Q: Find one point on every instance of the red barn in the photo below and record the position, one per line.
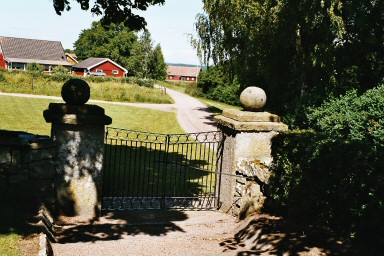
(183, 73)
(99, 67)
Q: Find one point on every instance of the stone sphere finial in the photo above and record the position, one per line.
(75, 92)
(253, 98)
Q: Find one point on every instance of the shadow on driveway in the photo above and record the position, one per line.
(117, 225)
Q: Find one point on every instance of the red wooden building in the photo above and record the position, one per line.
(183, 73)
(17, 53)
(99, 67)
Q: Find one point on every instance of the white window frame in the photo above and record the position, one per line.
(99, 70)
(115, 72)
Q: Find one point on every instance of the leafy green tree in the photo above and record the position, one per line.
(141, 51)
(298, 51)
(60, 70)
(115, 43)
(113, 11)
(35, 68)
(157, 68)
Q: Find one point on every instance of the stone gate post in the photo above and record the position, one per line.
(78, 130)
(246, 153)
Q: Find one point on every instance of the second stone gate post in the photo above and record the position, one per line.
(247, 153)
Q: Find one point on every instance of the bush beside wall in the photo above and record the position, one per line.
(333, 175)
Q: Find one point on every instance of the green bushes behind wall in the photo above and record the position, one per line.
(333, 175)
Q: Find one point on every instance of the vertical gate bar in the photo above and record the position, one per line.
(220, 150)
(179, 165)
(114, 166)
(131, 172)
(134, 152)
(124, 178)
(201, 148)
(145, 149)
(104, 192)
(158, 170)
(166, 152)
(206, 160)
(119, 165)
(211, 165)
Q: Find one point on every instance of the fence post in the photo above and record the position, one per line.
(246, 153)
(78, 130)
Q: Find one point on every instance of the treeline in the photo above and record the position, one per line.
(300, 53)
(137, 53)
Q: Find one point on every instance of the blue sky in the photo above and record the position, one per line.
(168, 24)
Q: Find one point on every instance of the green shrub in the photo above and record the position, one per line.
(214, 86)
(2, 78)
(352, 117)
(331, 183)
(60, 77)
(193, 90)
(146, 82)
(35, 68)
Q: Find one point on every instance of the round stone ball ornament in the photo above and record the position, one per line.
(75, 92)
(253, 98)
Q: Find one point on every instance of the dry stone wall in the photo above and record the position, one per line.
(27, 170)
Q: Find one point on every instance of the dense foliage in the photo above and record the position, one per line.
(113, 11)
(333, 176)
(114, 42)
(352, 117)
(300, 52)
(123, 46)
(34, 67)
(215, 85)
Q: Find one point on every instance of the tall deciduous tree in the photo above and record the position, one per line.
(141, 54)
(113, 11)
(115, 43)
(295, 50)
(156, 64)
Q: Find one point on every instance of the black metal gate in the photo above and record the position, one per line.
(157, 171)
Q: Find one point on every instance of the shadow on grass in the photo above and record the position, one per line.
(15, 215)
(118, 225)
(266, 235)
(150, 170)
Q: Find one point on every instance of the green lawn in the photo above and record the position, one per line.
(26, 114)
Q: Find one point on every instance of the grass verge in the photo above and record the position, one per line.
(107, 89)
(26, 114)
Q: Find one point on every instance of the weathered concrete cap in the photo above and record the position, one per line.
(86, 114)
(247, 116)
(262, 122)
(71, 109)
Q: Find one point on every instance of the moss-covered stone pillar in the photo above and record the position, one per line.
(247, 153)
(78, 130)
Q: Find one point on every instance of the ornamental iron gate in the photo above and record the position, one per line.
(158, 171)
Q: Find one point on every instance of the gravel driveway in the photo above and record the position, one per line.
(148, 233)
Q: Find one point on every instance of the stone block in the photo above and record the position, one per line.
(42, 169)
(30, 155)
(20, 177)
(5, 155)
(16, 156)
(247, 116)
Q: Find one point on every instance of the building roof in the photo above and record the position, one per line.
(94, 62)
(32, 50)
(183, 71)
(72, 56)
